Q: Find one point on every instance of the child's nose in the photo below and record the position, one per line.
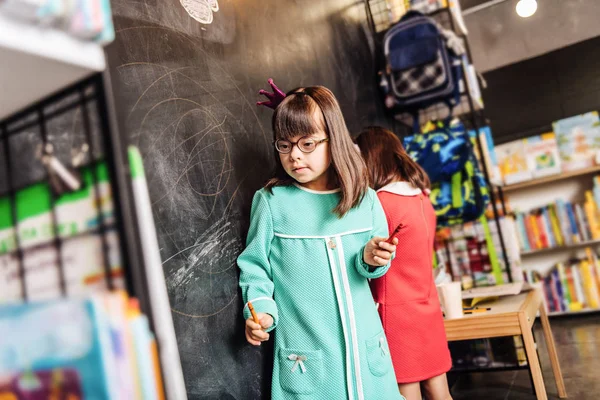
(296, 154)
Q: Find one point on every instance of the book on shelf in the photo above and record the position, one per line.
(88, 348)
(574, 144)
(472, 254)
(578, 140)
(512, 161)
(572, 286)
(542, 155)
(489, 154)
(558, 224)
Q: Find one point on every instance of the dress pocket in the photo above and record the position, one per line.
(300, 371)
(378, 355)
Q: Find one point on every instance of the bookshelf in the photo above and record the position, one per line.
(51, 77)
(534, 194)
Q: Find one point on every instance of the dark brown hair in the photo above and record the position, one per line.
(295, 116)
(387, 161)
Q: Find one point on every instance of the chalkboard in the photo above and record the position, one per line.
(187, 92)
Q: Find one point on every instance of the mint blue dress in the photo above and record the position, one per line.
(304, 266)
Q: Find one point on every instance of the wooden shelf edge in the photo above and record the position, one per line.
(565, 313)
(560, 248)
(551, 178)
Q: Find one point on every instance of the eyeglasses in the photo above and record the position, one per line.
(306, 144)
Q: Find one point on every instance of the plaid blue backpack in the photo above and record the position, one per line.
(423, 65)
(459, 192)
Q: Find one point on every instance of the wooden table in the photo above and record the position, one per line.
(510, 316)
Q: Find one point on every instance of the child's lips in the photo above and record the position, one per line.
(300, 169)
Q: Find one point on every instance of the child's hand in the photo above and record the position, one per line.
(377, 252)
(254, 331)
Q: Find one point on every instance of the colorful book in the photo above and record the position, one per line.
(559, 290)
(539, 218)
(578, 140)
(542, 155)
(589, 285)
(548, 294)
(576, 235)
(554, 290)
(533, 223)
(579, 286)
(489, 154)
(529, 227)
(512, 161)
(555, 223)
(548, 228)
(582, 223)
(591, 213)
(65, 351)
(522, 232)
(564, 285)
(565, 226)
(595, 264)
(575, 304)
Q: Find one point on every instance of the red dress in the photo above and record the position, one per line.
(407, 297)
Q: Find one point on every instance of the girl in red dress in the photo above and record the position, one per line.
(407, 297)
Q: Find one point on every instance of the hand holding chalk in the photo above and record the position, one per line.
(254, 317)
(255, 326)
(378, 252)
(390, 240)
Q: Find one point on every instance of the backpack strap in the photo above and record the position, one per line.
(456, 187)
(416, 124)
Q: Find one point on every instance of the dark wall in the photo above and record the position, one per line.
(499, 37)
(187, 93)
(524, 99)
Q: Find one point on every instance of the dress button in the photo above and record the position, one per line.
(331, 244)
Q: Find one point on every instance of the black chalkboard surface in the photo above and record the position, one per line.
(187, 92)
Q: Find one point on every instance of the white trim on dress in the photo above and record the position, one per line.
(401, 188)
(316, 191)
(338, 291)
(284, 235)
(355, 351)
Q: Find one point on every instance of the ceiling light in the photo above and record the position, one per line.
(526, 8)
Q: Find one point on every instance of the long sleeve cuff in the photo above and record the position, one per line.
(369, 271)
(263, 305)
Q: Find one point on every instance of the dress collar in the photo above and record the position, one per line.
(402, 188)
(316, 191)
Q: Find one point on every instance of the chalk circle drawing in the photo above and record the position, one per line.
(201, 10)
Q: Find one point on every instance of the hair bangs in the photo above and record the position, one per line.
(297, 115)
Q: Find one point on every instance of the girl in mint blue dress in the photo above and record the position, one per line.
(316, 236)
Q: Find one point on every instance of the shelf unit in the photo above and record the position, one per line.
(45, 74)
(552, 178)
(539, 192)
(468, 109)
(567, 313)
(560, 248)
(38, 61)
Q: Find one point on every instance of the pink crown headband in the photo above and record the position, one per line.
(275, 98)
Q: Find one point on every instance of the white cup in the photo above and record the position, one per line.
(451, 299)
